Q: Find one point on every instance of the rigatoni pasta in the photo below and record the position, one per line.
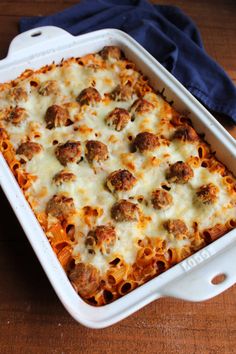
(121, 183)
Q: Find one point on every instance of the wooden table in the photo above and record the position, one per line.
(32, 319)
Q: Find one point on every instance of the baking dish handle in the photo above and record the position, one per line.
(204, 278)
(35, 40)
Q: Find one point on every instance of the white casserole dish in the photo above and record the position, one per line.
(190, 279)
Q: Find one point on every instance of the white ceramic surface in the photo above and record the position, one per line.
(190, 279)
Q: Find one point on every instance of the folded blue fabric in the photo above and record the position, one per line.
(165, 31)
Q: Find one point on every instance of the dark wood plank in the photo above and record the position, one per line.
(32, 320)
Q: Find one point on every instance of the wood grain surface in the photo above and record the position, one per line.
(32, 319)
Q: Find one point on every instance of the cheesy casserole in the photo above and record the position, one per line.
(121, 183)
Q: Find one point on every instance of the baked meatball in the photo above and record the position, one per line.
(60, 206)
(89, 96)
(141, 106)
(118, 118)
(16, 115)
(96, 151)
(179, 172)
(29, 149)
(120, 180)
(146, 142)
(86, 279)
(57, 116)
(124, 210)
(49, 87)
(68, 152)
(19, 94)
(111, 52)
(176, 227)
(102, 237)
(207, 193)
(63, 176)
(161, 199)
(122, 93)
(185, 133)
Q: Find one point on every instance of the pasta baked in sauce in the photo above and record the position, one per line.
(121, 183)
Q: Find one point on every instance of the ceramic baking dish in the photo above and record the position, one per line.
(190, 279)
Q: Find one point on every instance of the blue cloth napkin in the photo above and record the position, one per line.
(165, 31)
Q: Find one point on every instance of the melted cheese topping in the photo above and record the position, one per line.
(89, 123)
